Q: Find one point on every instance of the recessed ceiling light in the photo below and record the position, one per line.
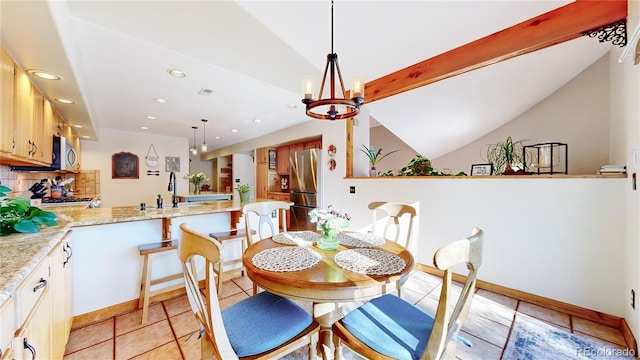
(217, 137)
(65, 101)
(144, 128)
(151, 117)
(160, 100)
(257, 120)
(234, 130)
(86, 137)
(292, 106)
(78, 126)
(176, 73)
(44, 74)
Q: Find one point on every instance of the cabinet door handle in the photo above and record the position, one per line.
(30, 348)
(69, 253)
(42, 284)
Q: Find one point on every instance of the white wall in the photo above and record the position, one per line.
(624, 144)
(122, 192)
(576, 114)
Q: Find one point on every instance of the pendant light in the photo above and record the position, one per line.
(333, 108)
(204, 137)
(194, 149)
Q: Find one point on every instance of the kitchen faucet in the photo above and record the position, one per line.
(173, 187)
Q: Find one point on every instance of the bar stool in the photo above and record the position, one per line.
(229, 236)
(148, 251)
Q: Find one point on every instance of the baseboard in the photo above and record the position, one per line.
(595, 316)
(122, 308)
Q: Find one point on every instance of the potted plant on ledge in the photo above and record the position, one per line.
(244, 191)
(375, 156)
(504, 155)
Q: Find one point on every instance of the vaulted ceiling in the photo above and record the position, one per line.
(113, 57)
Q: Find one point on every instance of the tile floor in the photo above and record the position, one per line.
(166, 335)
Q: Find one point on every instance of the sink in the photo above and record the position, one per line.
(170, 206)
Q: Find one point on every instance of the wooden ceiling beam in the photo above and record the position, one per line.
(554, 27)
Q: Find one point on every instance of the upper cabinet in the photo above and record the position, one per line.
(6, 102)
(28, 120)
(282, 157)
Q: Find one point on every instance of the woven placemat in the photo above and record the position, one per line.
(282, 259)
(301, 238)
(370, 261)
(360, 240)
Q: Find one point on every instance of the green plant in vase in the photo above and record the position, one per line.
(196, 179)
(503, 155)
(17, 215)
(244, 190)
(375, 156)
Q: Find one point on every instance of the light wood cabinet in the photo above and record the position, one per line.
(296, 147)
(262, 180)
(34, 313)
(282, 158)
(38, 316)
(6, 101)
(45, 144)
(23, 115)
(61, 286)
(262, 155)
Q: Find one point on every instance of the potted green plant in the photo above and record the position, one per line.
(421, 166)
(17, 215)
(375, 156)
(503, 155)
(244, 191)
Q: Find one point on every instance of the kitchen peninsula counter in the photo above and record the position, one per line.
(21, 253)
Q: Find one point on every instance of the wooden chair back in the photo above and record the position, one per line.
(392, 229)
(263, 210)
(449, 319)
(194, 246)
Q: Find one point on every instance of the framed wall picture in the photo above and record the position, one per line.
(172, 163)
(125, 165)
(272, 160)
(481, 169)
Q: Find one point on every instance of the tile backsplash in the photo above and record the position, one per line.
(86, 183)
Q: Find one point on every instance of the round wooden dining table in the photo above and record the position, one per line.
(326, 285)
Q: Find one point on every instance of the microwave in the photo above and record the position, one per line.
(64, 157)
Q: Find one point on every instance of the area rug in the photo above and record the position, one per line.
(535, 340)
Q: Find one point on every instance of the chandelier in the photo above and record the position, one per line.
(333, 108)
(194, 149)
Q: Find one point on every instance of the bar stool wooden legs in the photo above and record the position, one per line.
(148, 251)
(238, 235)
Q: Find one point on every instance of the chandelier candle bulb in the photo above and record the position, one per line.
(308, 88)
(358, 88)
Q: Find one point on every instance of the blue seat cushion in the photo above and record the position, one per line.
(263, 322)
(391, 326)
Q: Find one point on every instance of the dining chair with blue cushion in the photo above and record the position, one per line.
(263, 326)
(389, 327)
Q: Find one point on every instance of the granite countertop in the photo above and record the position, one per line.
(205, 194)
(21, 253)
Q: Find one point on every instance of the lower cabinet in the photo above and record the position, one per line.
(281, 197)
(41, 309)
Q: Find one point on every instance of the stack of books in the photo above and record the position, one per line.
(613, 169)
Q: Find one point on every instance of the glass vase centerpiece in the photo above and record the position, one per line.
(196, 179)
(331, 221)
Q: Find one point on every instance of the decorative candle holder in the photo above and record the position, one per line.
(546, 158)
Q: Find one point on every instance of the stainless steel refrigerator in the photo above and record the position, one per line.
(304, 179)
